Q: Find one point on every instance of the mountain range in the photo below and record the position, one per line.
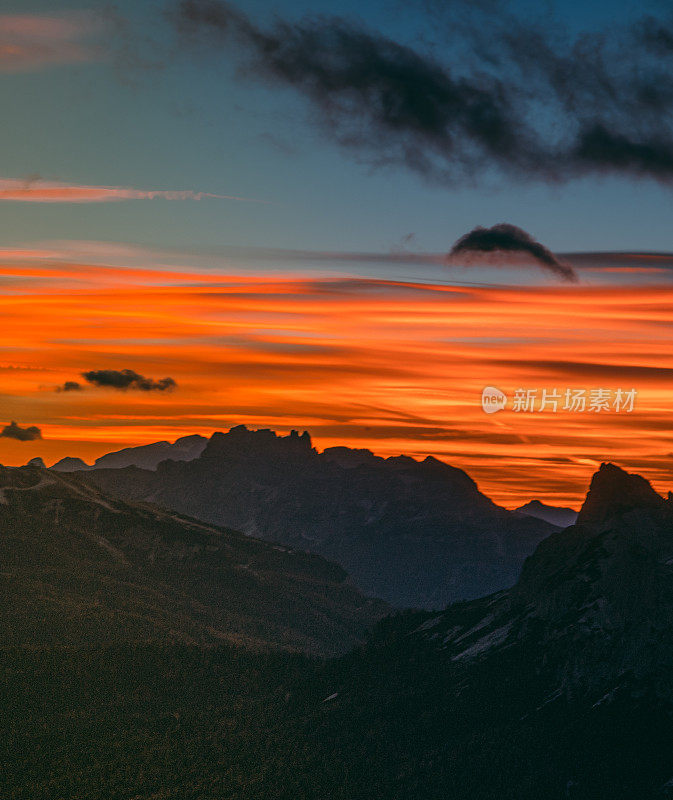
(414, 533)
(81, 568)
(147, 456)
(558, 687)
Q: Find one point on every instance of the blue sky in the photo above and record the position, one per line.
(196, 124)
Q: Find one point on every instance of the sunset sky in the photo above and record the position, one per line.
(268, 237)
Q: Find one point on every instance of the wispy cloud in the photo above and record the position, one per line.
(405, 362)
(31, 42)
(123, 262)
(37, 190)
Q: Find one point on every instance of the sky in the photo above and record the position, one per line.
(256, 200)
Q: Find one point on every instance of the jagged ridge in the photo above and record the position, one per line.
(417, 534)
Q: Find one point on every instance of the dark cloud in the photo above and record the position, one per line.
(656, 35)
(608, 151)
(127, 379)
(70, 386)
(14, 431)
(506, 96)
(372, 91)
(505, 243)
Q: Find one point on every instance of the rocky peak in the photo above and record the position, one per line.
(614, 491)
(241, 442)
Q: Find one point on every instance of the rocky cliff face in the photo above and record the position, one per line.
(613, 492)
(560, 687)
(594, 603)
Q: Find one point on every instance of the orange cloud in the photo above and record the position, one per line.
(397, 366)
(36, 190)
(30, 42)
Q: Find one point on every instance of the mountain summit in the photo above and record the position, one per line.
(614, 491)
(241, 442)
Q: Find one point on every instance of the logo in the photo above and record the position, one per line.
(596, 401)
(493, 400)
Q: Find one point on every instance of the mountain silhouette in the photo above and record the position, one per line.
(559, 687)
(597, 597)
(146, 456)
(125, 684)
(555, 515)
(415, 533)
(69, 464)
(83, 569)
(613, 492)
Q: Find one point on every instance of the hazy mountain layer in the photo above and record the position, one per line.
(145, 456)
(560, 516)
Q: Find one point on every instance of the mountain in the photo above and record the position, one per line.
(596, 598)
(417, 534)
(82, 569)
(36, 462)
(69, 464)
(150, 455)
(614, 492)
(146, 456)
(560, 516)
(559, 687)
